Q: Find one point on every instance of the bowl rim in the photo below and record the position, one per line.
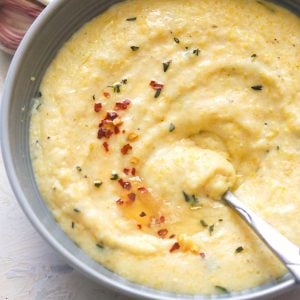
(138, 290)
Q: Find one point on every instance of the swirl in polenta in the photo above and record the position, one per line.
(153, 110)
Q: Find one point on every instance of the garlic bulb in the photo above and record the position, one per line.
(16, 16)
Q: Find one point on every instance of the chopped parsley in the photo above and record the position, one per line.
(176, 40)
(100, 246)
(114, 176)
(191, 199)
(203, 223)
(97, 183)
(166, 65)
(239, 249)
(221, 289)
(257, 87)
(76, 210)
(134, 48)
(116, 87)
(157, 93)
(78, 169)
(196, 52)
(211, 229)
(131, 19)
(171, 127)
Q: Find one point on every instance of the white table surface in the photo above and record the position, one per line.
(29, 267)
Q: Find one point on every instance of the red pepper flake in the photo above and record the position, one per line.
(103, 132)
(97, 107)
(116, 130)
(106, 146)
(161, 220)
(122, 105)
(126, 171)
(103, 122)
(202, 254)
(132, 197)
(125, 184)
(120, 202)
(143, 190)
(125, 149)
(142, 214)
(175, 247)
(111, 115)
(172, 236)
(139, 226)
(155, 85)
(133, 171)
(106, 94)
(162, 233)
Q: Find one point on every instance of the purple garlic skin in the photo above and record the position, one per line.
(16, 16)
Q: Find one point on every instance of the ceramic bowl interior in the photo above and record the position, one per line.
(55, 26)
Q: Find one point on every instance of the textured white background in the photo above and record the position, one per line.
(29, 267)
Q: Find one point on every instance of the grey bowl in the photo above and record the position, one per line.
(54, 26)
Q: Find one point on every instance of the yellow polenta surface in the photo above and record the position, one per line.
(222, 112)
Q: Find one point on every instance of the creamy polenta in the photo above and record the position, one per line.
(148, 114)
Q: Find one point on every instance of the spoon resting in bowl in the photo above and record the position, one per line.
(285, 250)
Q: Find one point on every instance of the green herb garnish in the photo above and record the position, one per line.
(203, 223)
(196, 52)
(166, 65)
(257, 87)
(124, 81)
(78, 169)
(211, 229)
(73, 225)
(76, 210)
(176, 40)
(171, 127)
(97, 183)
(100, 246)
(221, 289)
(134, 48)
(239, 249)
(157, 93)
(131, 19)
(114, 176)
(116, 87)
(191, 199)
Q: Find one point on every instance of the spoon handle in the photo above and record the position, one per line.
(286, 251)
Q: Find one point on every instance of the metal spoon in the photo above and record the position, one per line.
(285, 250)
